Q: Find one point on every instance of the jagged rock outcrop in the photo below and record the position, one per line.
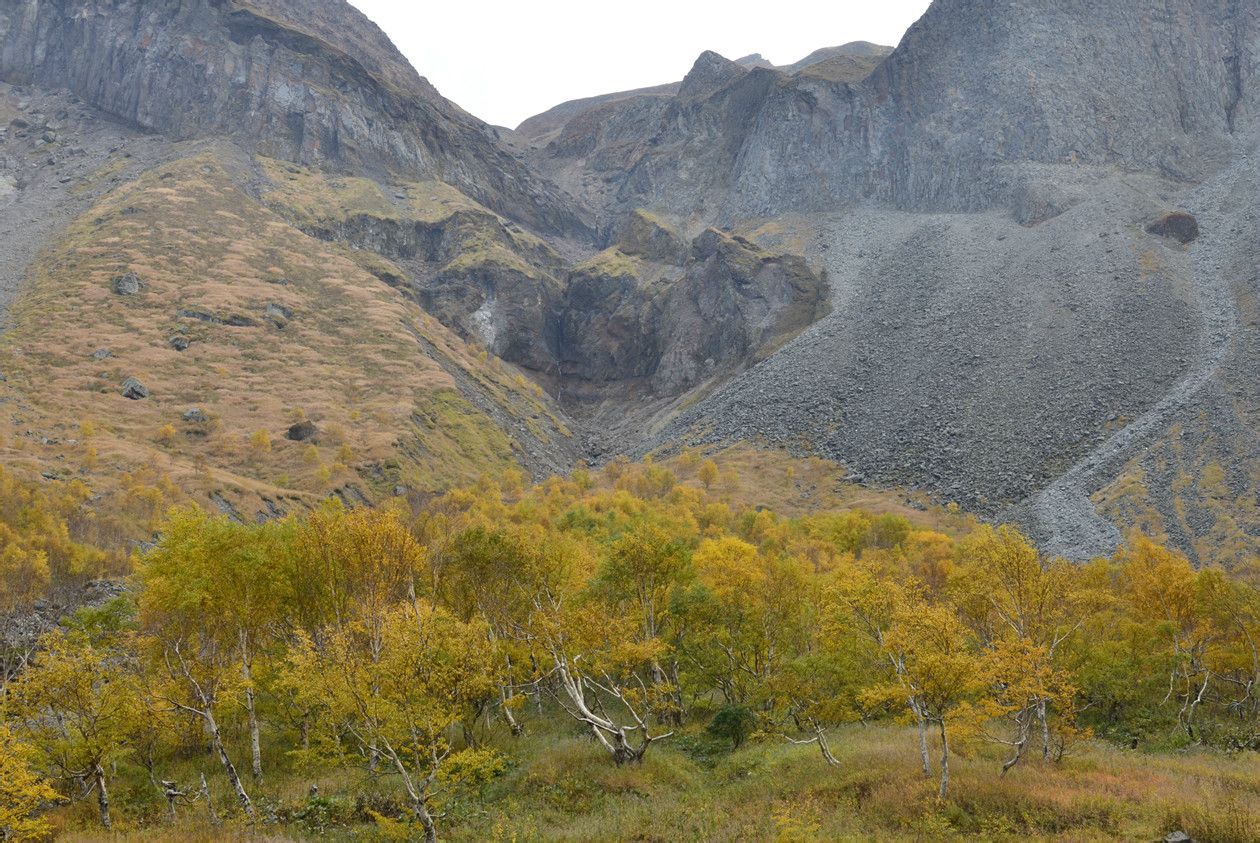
(312, 81)
(847, 62)
(609, 328)
(501, 301)
(645, 310)
(710, 73)
(646, 236)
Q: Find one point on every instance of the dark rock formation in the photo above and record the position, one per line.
(474, 271)
(302, 431)
(609, 325)
(648, 237)
(1179, 226)
(643, 311)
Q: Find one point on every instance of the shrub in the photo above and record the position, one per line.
(1226, 821)
(166, 434)
(733, 722)
(708, 473)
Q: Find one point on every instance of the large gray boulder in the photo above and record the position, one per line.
(302, 431)
(134, 390)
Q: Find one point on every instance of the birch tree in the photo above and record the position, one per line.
(23, 793)
(395, 685)
(940, 669)
(192, 628)
(643, 570)
(1024, 608)
(78, 705)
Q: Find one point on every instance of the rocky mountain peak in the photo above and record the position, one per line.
(754, 60)
(710, 73)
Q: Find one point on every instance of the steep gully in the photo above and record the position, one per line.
(1062, 516)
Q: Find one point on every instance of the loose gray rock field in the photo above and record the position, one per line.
(1062, 515)
(1010, 368)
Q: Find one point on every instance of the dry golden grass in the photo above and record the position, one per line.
(356, 356)
(1198, 484)
(771, 791)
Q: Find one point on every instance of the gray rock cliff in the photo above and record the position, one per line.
(312, 81)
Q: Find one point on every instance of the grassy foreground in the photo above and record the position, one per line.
(557, 785)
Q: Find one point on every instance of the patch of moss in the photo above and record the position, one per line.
(315, 198)
(479, 252)
(318, 199)
(452, 443)
(611, 262)
(434, 201)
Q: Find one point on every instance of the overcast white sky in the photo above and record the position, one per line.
(505, 61)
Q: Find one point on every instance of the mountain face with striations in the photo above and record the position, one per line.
(307, 80)
(1012, 262)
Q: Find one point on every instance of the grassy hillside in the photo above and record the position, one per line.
(278, 327)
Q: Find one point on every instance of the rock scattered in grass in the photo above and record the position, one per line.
(134, 390)
(302, 431)
(127, 285)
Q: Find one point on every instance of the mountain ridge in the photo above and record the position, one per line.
(540, 126)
